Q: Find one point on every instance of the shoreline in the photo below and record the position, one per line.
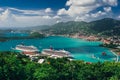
(114, 53)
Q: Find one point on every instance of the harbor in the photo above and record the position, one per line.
(79, 49)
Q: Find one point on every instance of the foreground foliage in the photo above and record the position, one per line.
(14, 66)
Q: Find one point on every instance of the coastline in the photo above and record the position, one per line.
(89, 41)
(113, 52)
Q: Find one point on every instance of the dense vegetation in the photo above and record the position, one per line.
(14, 66)
(36, 35)
(105, 26)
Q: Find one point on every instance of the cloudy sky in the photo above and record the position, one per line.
(25, 13)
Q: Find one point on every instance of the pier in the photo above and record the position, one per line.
(117, 57)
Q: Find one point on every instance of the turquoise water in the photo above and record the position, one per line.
(15, 34)
(80, 49)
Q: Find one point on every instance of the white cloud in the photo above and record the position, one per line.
(58, 21)
(34, 20)
(119, 17)
(80, 2)
(98, 14)
(1, 9)
(46, 17)
(78, 10)
(92, 16)
(48, 10)
(107, 9)
(8, 19)
(5, 15)
(57, 17)
(111, 2)
(31, 12)
(82, 9)
(62, 12)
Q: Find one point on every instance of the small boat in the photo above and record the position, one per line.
(104, 54)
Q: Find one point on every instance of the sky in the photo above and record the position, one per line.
(27, 13)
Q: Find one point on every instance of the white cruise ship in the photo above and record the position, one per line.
(56, 53)
(27, 49)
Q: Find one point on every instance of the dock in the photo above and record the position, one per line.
(117, 56)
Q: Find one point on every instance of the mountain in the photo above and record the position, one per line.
(106, 26)
(42, 27)
(36, 28)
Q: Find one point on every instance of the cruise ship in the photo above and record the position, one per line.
(30, 50)
(56, 53)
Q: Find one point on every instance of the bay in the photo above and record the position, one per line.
(80, 49)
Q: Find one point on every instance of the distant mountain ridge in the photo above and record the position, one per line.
(106, 26)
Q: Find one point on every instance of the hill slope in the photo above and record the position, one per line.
(105, 26)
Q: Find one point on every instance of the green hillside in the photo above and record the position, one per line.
(105, 26)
